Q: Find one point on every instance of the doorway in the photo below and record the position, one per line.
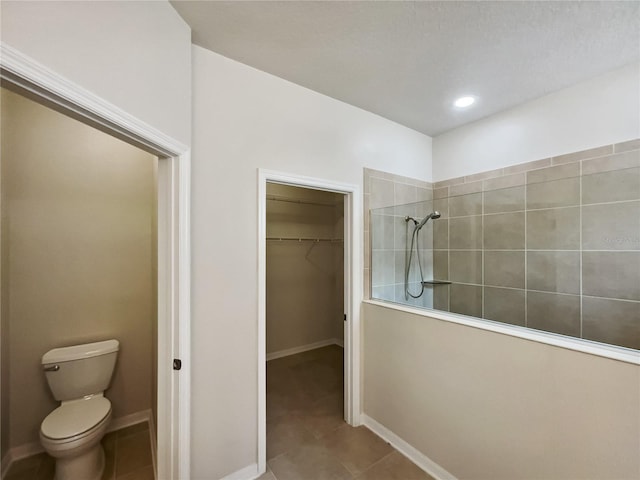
(23, 75)
(79, 265)
(304, 315)
(308, 241)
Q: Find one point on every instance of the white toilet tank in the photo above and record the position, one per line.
(79, 370)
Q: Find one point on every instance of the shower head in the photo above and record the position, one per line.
(433, 215)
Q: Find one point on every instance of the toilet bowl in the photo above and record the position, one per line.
(71, 433)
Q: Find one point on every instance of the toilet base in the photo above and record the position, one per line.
(88, 465)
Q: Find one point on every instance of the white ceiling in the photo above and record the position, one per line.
(407, 61)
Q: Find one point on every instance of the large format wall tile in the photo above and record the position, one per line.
(401, 233)
(619, 161)
(442, 206)
(611, 321)
(382, 232)
(611, 274)
(382, 192)
(504, 305)
(464, 205)
(441, 264)
(611, 227)
(465, 232)
(554, 313)
(465, 266)
(403, 194)
(559, 193)
(554, 271)
(441, 297)
(441, 234)
(466, 299)
(383, 267)
(504, 231)
(554, 229)
(553, 173)
(504, 200)
(611, 186)
(504, 268)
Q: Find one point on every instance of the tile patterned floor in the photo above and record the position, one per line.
(127, 457)
(307, 438)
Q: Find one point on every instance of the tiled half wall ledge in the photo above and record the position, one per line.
(593, 175)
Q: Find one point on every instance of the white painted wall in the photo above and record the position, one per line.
(600, 111)
(245, 119)
(134, 54)
(488, 406)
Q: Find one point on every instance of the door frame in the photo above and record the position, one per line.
(352, 297)
(47, 87)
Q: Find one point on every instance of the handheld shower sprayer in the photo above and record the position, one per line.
(417, 225)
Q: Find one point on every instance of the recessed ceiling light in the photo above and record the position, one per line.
(464, 102)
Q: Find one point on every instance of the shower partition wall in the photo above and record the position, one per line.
(556, 249)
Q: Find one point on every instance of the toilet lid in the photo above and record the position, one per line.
(76, 417)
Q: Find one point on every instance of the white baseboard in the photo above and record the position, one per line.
(249, 472)
(34, 448)
(25, 450)
(417, 457)
(129, 420)
(303, 348)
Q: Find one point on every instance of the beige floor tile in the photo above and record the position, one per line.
(268, 475)
(130, 430)
(29, 464)
(135, 460)
(132, 452)
(357, 448)
(309, 462)
(24, 475)
(324, 415)
(319, 377)
(144, 473)
(47, 469)
(109, 445)
(394, 466)
(285, 433)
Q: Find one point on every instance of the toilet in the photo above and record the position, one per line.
(78, 376)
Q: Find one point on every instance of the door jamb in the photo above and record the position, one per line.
(48, 87)
(353, 290)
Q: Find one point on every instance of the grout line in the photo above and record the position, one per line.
(482, 255)
(581, 250)
(381, 460)
(526, 261)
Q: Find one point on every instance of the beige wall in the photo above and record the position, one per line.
(304, 303)
(4, 325)
(78, 242)
(484, 405)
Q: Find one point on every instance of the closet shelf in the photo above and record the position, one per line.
(304, 202)
(300, 239)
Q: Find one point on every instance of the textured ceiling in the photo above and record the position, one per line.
(407, 61)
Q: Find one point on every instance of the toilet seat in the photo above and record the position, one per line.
(76, 418)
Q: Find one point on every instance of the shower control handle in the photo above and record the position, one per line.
(52, 368)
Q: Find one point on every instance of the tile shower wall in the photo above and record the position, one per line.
(386, 243)
(552, 245)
